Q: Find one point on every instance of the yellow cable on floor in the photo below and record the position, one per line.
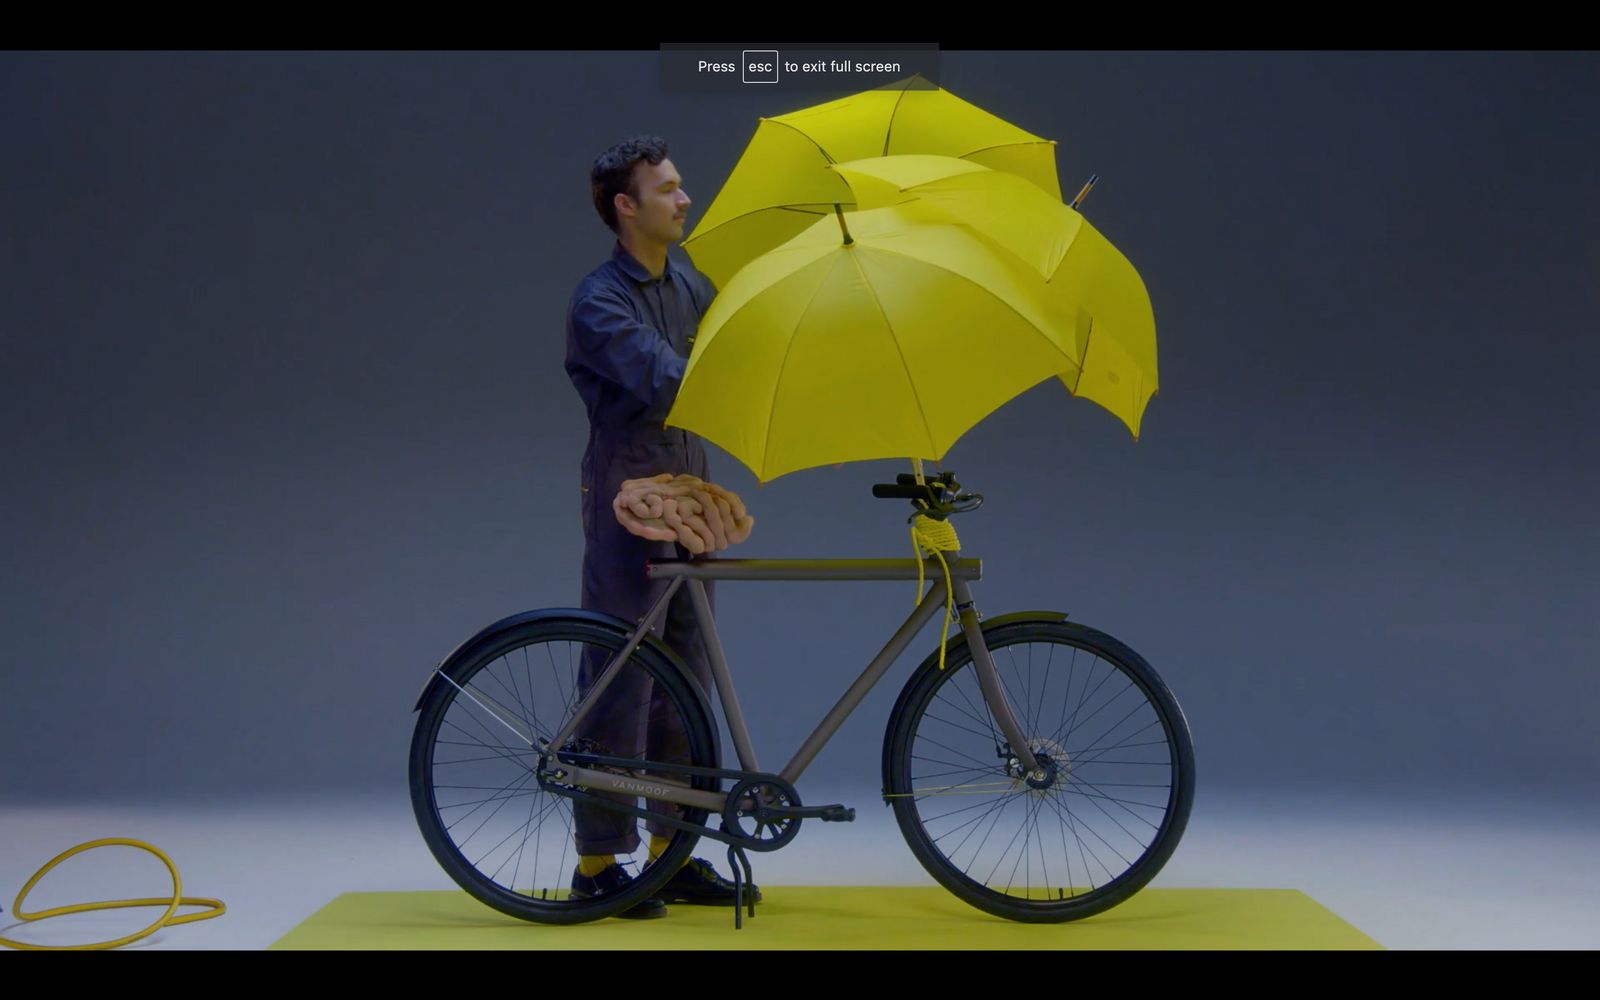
(165, 920)
(938, 537)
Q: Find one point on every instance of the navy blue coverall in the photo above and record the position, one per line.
(628, 342)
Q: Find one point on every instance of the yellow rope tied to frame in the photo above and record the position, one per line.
(937, 537)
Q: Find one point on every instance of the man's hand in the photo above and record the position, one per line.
(713, 518)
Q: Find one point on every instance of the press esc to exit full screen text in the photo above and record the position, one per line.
(818, 66)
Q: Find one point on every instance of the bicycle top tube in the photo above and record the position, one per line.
(811, 569)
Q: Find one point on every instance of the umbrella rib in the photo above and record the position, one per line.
(999, 145)
(819, 213)
(888, 132)
(1076, 363)
(1086, 339)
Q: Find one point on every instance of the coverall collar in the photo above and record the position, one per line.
(635, 270)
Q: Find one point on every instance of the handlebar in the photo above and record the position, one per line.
(937, 497)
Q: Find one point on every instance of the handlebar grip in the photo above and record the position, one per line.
(912, 491)
(907, 479)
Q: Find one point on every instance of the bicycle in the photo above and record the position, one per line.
(963, 729)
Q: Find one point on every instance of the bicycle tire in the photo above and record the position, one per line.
(513, 765)
(932, 823)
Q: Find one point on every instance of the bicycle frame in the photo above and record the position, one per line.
(692, 573)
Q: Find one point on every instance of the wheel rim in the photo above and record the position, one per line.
(1092, 826)
(494, 828)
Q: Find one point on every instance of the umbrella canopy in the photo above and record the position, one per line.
(879, 334)
(1087, 280)
(782, 185)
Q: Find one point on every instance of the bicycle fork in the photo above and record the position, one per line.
(989, 679)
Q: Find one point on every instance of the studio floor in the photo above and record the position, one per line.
(1396, 873)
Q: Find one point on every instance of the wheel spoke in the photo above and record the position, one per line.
(983, 720)
(1097, 749)
(1109, 846)
(989, 877)
(965, 729)
(958, 753)
(492, 815)
(509, 752)
(980, 714)
(962, 809)
(1138, 705)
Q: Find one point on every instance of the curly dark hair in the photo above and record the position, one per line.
(613, 173)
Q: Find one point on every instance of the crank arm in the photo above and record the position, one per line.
(828, 814)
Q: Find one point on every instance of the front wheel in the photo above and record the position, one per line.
(1093, 825)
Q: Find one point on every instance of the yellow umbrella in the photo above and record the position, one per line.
(782, 184)
(1004, 207)
(879, 334)
(1094, 292)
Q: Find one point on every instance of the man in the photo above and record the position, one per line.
(629, 328)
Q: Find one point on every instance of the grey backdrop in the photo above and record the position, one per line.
(285, 416)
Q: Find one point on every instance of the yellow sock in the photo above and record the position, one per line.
(590, 865)
(658, 844)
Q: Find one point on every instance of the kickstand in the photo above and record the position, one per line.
(737, 861)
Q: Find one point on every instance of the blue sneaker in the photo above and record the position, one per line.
(613, 879)
(698, 884)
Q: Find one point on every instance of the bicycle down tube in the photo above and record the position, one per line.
(962, 573)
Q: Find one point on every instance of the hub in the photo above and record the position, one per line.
(1054, 766)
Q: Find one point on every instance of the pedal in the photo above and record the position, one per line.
(838, 814)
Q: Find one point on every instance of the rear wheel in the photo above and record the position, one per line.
(1096, 822)
(480, 736)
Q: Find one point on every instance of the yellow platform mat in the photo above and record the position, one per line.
(806, 917)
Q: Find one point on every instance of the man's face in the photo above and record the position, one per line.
(662, 207)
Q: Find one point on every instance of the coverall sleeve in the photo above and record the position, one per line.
(614, 345)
